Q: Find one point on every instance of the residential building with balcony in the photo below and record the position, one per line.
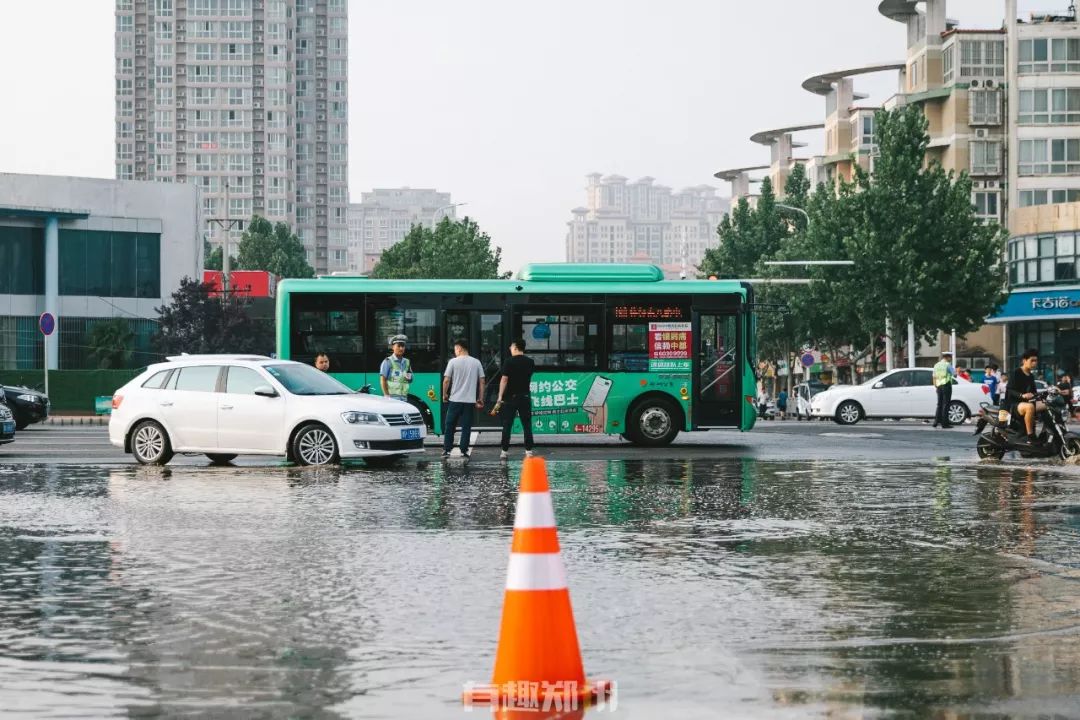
(246, 99)
(384, 216)
(644, 222)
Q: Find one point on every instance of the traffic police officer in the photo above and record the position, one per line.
(395, 373)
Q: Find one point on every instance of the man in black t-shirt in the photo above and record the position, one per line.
(1020, 392)
(514, 397)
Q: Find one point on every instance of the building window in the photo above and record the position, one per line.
(985, 157)
(986, 205)
(982, 58)
(125, 23)
(22, 261)
(984, 107)
(1034, 157)
(948, 58)
(110, 264)
(1034, 55)
(1043, 259)
(163, 8)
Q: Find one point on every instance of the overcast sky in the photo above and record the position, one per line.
(507, 105)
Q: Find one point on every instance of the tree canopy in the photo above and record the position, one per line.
(198, 322)
(272, 247)
(111, 342)
(453, 249)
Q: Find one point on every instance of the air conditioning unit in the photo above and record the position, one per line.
(974, 83)
(980, 133)
(989, 83)
(258, 105)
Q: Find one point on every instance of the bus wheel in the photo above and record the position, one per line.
(653, 423)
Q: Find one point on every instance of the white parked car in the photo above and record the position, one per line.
(229, 405)
(904, 393)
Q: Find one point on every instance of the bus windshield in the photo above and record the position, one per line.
(304, 380)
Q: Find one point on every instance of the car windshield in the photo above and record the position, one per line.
(304, 380)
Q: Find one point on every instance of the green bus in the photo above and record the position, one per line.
(618, 349)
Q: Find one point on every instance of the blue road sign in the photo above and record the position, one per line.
(807, 359)
(47, 323)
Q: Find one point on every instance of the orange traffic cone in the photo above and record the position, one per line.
(538, 663)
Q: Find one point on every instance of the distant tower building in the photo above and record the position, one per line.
(384, 216)
(644, 222)
(248, 94)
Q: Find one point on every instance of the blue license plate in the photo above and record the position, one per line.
(410, 434)
(9, 427)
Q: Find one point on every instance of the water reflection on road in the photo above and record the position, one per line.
(737, 588)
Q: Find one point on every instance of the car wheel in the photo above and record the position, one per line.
(150, 444)
(314, 444)
(653, 423)
(383, 461)
(849, 413)
(956, 413)
(987, 449)
(221, 458)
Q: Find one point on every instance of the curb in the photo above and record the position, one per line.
(90, 420)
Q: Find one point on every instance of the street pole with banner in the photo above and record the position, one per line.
(47, 325)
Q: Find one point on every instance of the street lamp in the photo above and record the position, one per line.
(435, 214)
(794, 209)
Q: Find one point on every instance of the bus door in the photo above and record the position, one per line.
(484, 331)
(717, 390)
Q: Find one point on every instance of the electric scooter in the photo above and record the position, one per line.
(1007, 433)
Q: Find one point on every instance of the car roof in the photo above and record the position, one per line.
(244, 360)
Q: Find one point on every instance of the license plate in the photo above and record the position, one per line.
(410, 434)
(9, 427)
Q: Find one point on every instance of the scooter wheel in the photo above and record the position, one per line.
(987, 449)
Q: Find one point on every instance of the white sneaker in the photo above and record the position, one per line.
(503, 455)
(528, 453)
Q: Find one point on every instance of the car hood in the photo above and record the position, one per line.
(22, 390)
(359, 401)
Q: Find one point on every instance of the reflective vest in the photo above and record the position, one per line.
(396, 383)
(942, 376)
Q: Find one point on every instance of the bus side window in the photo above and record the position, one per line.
(560, 338)
(320, 327)
(417, 324)
(628, 347)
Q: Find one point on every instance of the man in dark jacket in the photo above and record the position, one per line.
(1020, 392)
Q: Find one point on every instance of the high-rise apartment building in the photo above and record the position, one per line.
(384, 217)
(246, 99)
(644, 222)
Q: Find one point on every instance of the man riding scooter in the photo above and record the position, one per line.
(1020, 393)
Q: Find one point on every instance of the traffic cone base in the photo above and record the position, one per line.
(538, 661)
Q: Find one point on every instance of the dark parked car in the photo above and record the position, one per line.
(29, 406)
(7, 424)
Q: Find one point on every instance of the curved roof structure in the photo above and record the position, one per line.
(768, 137)
(823, 84)
(898, 10)
(734, 173)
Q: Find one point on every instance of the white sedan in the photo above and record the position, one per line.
(904, 393)
(228, 405)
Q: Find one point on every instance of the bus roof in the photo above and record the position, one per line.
(534, 278)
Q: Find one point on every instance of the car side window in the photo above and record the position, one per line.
(243, 381)
(898, 379)
(157, 380)
(198, 378)
(923, 378)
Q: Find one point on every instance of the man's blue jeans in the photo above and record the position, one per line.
(456, 411)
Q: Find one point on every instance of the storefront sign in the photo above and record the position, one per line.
(669, 346)
(1039, 305)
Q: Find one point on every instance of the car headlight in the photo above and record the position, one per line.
(27, 398)
(354, 417)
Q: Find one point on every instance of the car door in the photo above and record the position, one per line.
(922, 398)
(247, 422)
(189, 407)
(889, 397)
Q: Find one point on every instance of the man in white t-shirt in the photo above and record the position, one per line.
(463, 391)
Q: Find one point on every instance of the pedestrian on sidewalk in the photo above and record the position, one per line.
(515, 399)
(944, 374)
(463, 391)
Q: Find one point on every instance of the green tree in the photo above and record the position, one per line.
(196, 321)
(746, 236)
(110, 343)
(453, 249)
(922, 252)
(272, 247)
(213, 257)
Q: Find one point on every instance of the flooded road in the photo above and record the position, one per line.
(706, 588)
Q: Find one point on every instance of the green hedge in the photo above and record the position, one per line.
(70, 390)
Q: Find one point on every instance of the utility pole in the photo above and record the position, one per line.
(227, 224)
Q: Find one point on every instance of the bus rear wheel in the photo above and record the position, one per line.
(653, 423)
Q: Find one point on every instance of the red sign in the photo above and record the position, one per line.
(669, 346)
(245, 283)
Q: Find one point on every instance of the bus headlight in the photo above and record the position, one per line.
(355, 417)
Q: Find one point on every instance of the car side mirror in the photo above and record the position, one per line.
(265, 391)
(878, 385)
